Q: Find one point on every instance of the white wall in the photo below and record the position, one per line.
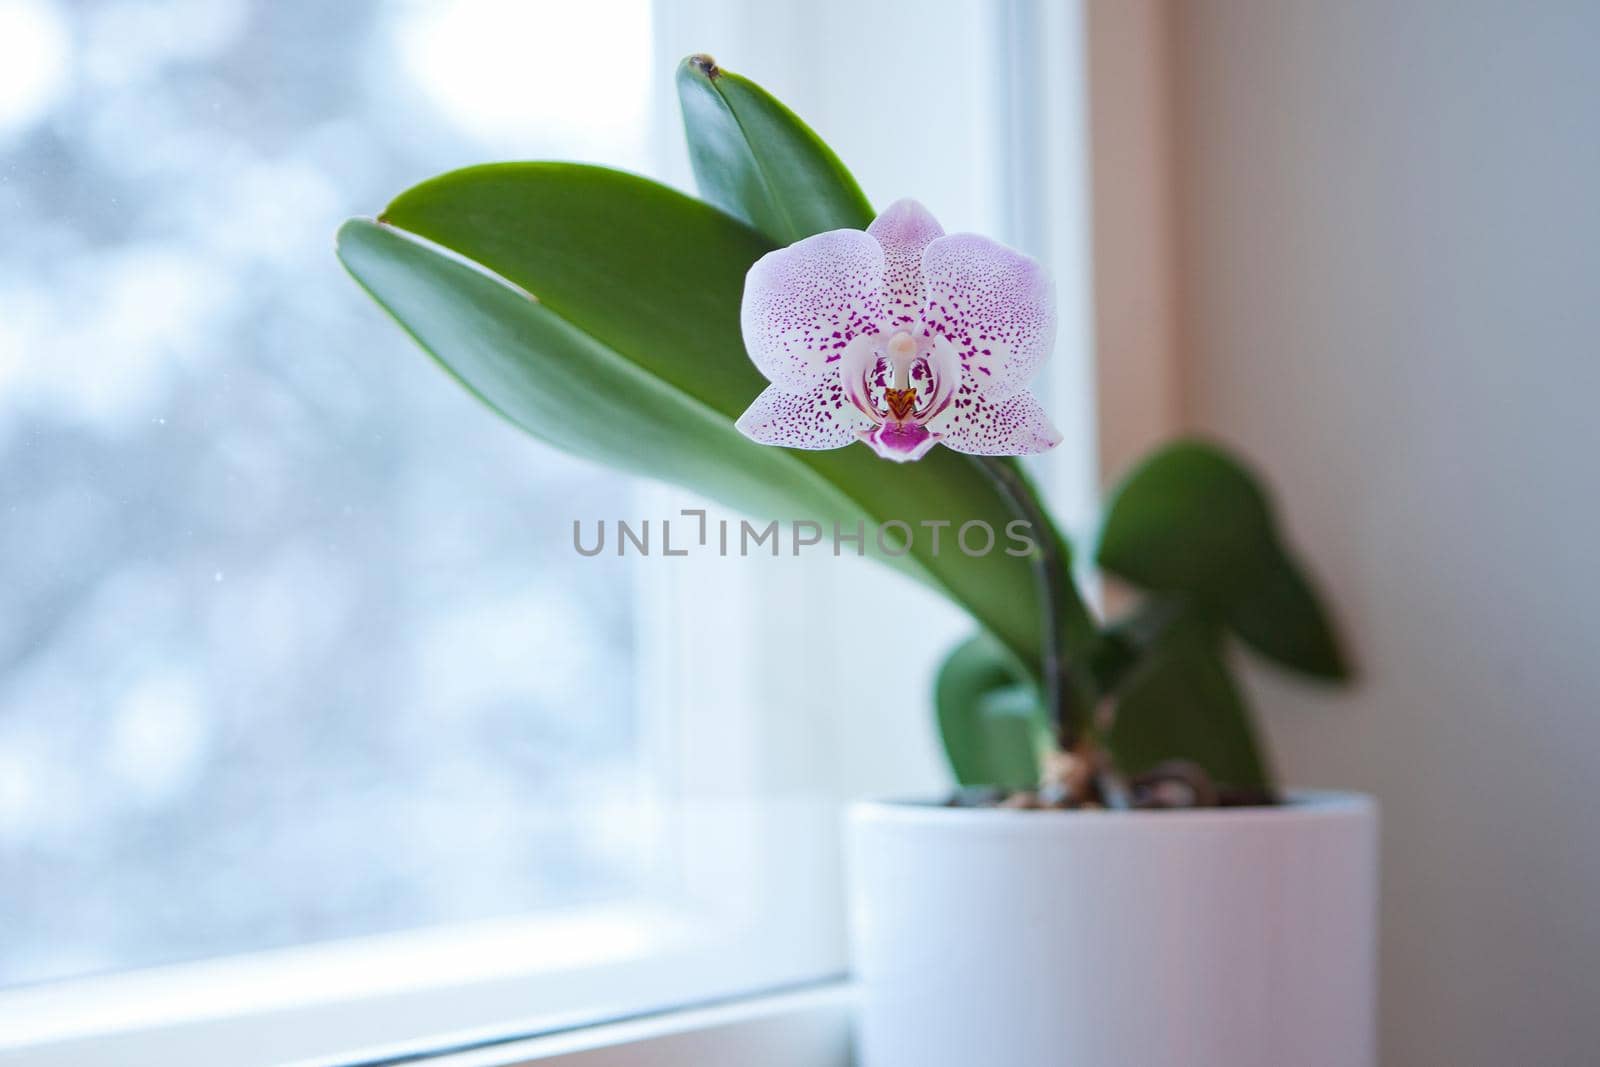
(1389, 289)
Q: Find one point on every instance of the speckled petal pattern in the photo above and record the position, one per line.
(817, 419)
(1015, 426)
(904, 229)
(995, 305)
(803, 304)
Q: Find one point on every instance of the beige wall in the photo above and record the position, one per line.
(1133, 218)
(1388, 289)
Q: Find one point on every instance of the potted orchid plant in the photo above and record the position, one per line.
(1117, 879)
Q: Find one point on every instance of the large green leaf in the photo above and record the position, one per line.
(756, 160)
(617, 338)
(990, 719)
(522, 359)
(1193, 520)
(1181, 702)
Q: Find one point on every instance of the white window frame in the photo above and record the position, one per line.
(1037, 195)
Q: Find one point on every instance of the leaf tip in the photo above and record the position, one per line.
(705, 65)
(342, 235)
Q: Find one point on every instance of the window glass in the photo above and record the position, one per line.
(293, 646)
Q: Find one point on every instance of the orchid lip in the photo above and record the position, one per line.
(900, 442)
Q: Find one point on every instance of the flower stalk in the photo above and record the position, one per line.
(1050, 578)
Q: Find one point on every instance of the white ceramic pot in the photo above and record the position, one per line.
(1240, 937)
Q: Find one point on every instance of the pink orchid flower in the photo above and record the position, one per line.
(901, 337)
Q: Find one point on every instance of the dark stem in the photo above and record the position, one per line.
(1049, 573)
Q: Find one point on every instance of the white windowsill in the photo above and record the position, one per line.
(360, 968)
(428, 992)
(404, 995)
(803, 1028)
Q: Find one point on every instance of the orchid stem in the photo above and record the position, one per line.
(1049, 574)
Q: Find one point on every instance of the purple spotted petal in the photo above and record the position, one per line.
(995, 305)
(905, 230)
(816, 419)
(803, 304)
(1015, 426)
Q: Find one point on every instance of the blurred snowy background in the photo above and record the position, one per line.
(293, 645)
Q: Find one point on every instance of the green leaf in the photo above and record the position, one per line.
(990, 719)
(757, 161)
(609, 327)
(1194, 520)
(1283, 619)
(1182, 703)
(519, 357)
